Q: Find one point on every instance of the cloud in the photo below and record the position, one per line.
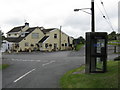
(78, 22)
(15, 21)
(55, 13)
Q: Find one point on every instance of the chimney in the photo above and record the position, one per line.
(26, 24)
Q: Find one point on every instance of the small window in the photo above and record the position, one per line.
(9, 34)
(55, 45)
(50, 45)
(15, 34)
(35, 35)
(62, 44)
(22, 34)
(26, 44)
(55, 35)
(46, 45)
(65, 44)
(16, 45)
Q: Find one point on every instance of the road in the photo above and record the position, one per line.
(41, 69)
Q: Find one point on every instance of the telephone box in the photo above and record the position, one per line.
(96, 52)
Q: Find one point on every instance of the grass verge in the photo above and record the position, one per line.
(3, 66)
(99, 80)
(78, 47)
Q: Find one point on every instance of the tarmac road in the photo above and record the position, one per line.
(42, 69)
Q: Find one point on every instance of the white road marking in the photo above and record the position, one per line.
(24, 75)
(25, 60)
(31, 70)
(47, 63)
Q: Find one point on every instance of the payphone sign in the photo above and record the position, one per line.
(100, 45)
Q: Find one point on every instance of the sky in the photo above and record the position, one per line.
(56, 13)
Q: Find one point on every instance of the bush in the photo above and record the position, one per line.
(117, 58)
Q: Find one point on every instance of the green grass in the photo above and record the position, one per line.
(110, 42)
(98, 80)
(3, 66)
(78, 47)
(113, 43)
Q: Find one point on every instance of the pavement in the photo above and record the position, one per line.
(41, 69)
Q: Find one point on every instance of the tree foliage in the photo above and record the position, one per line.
(112, 36)
(2, 37)
(79, 40)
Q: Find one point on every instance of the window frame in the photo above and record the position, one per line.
(35, 35)
(26, 44)
(46, 45)
(55, 36)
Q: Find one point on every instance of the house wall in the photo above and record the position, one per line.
(71, 40)
(52, 40)
(64, 40)
(31, 40)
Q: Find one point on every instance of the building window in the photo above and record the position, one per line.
(26, 44)
(32, 45)
(16, 45)
(55, 35)
(46, 45)
(35, 35)
(9, 34)
(65, 44)
(15, 34)
(50, 45)
(62, 44)
(55, 45)
(22, 34)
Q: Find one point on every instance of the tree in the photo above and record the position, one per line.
(79, 40)
(112, 36)
(2, 37)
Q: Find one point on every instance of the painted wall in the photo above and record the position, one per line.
(31, 40)
(51, 40)
(61, 44)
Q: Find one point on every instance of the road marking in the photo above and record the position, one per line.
(25, 60)
(24, 75)
(47, 63)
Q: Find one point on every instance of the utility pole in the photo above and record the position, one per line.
(60, 37)
(92, 16)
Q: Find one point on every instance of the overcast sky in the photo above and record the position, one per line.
(56, 13)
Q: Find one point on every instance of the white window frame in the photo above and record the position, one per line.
(35, 35)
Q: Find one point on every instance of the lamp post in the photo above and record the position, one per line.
(92, 15)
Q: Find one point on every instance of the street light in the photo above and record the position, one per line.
(82, 9)
(92, 15)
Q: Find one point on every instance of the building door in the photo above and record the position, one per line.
(55, 46)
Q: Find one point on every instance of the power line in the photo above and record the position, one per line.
(107, 15)
(104, 16)
(101, 11)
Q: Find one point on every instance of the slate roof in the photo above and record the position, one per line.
(16, 29)
(43, 39)
(47, 30)
(21, 38)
